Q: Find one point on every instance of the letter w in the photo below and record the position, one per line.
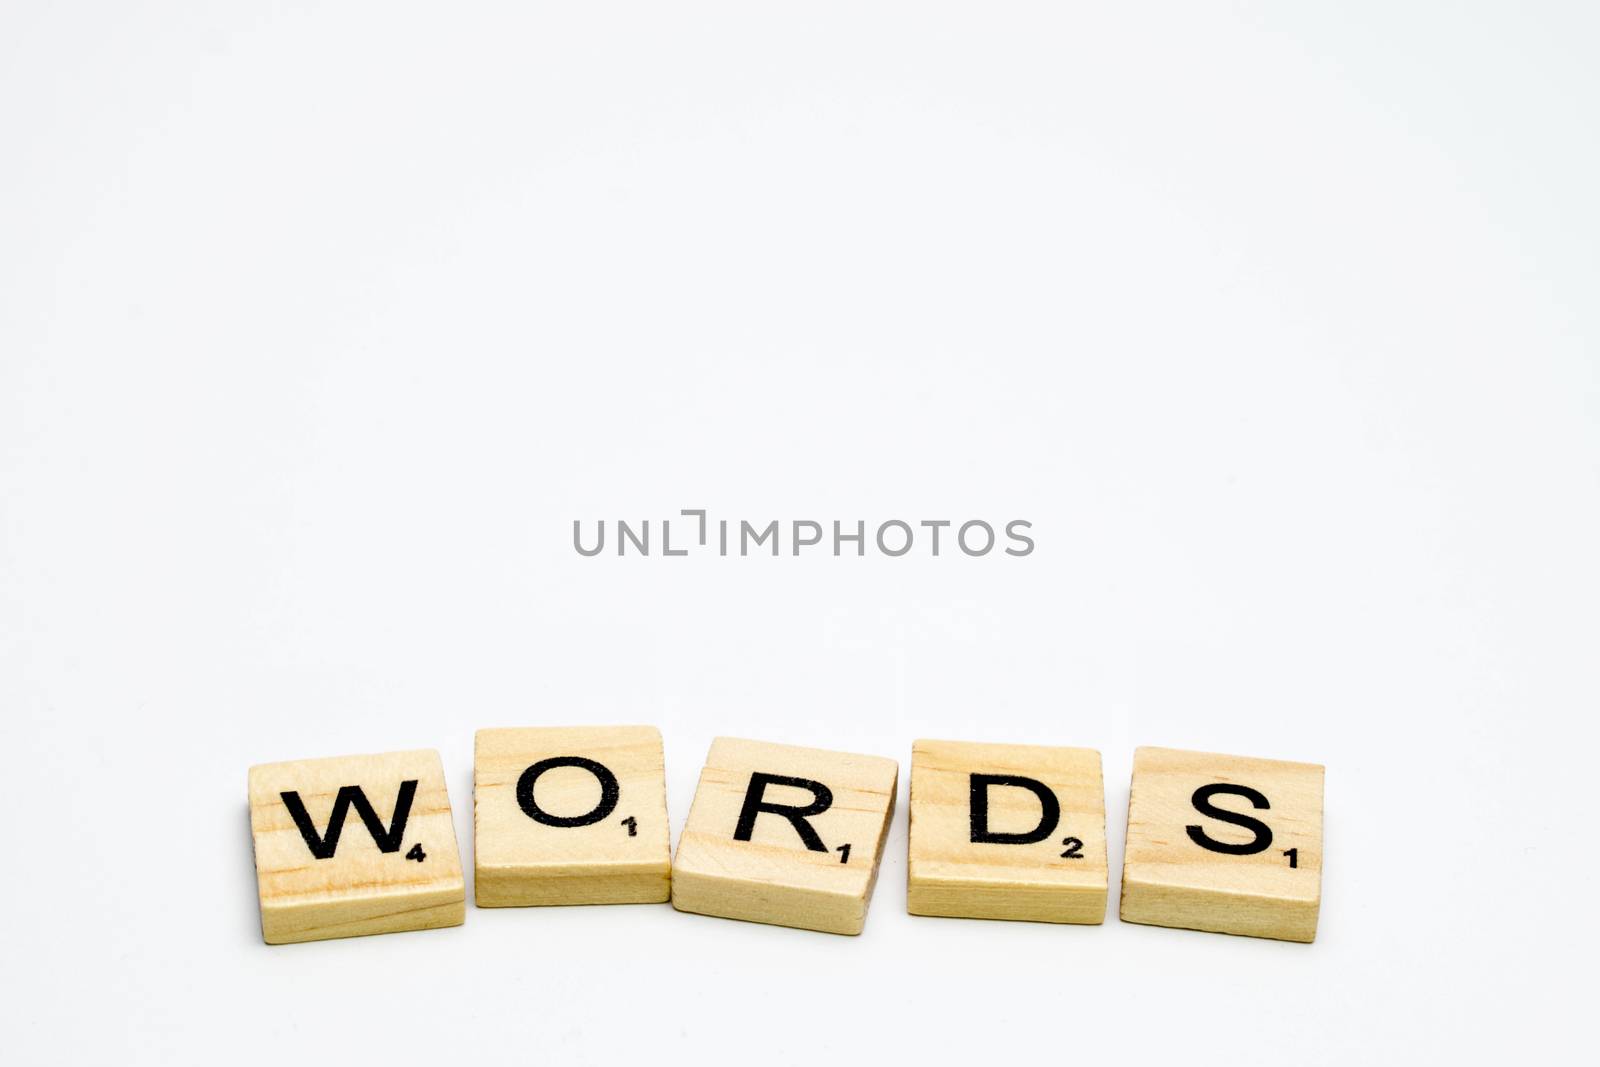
(387, 839)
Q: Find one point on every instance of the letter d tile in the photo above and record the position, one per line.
(1007, 832)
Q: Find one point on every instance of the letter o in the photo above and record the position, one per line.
(961, 536)
(903, 548)
(610, 791)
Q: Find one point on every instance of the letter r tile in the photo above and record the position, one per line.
(785, 835)
(1224, 843)
(1007, 832)
(354, 845)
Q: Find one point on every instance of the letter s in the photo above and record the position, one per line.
(1011, 532)
(1202, 803)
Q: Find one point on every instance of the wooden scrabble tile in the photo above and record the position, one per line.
(354, 845)
(571, 815)
(1007, 832)
(785, 835)
(1224, 843)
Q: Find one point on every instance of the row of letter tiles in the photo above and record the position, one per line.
(785, 835)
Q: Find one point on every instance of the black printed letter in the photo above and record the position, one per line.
(754, 805)
(609, 792)
(387, 840)
(1049, 814)
(1202, 804)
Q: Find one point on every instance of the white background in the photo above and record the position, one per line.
(320, 323)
